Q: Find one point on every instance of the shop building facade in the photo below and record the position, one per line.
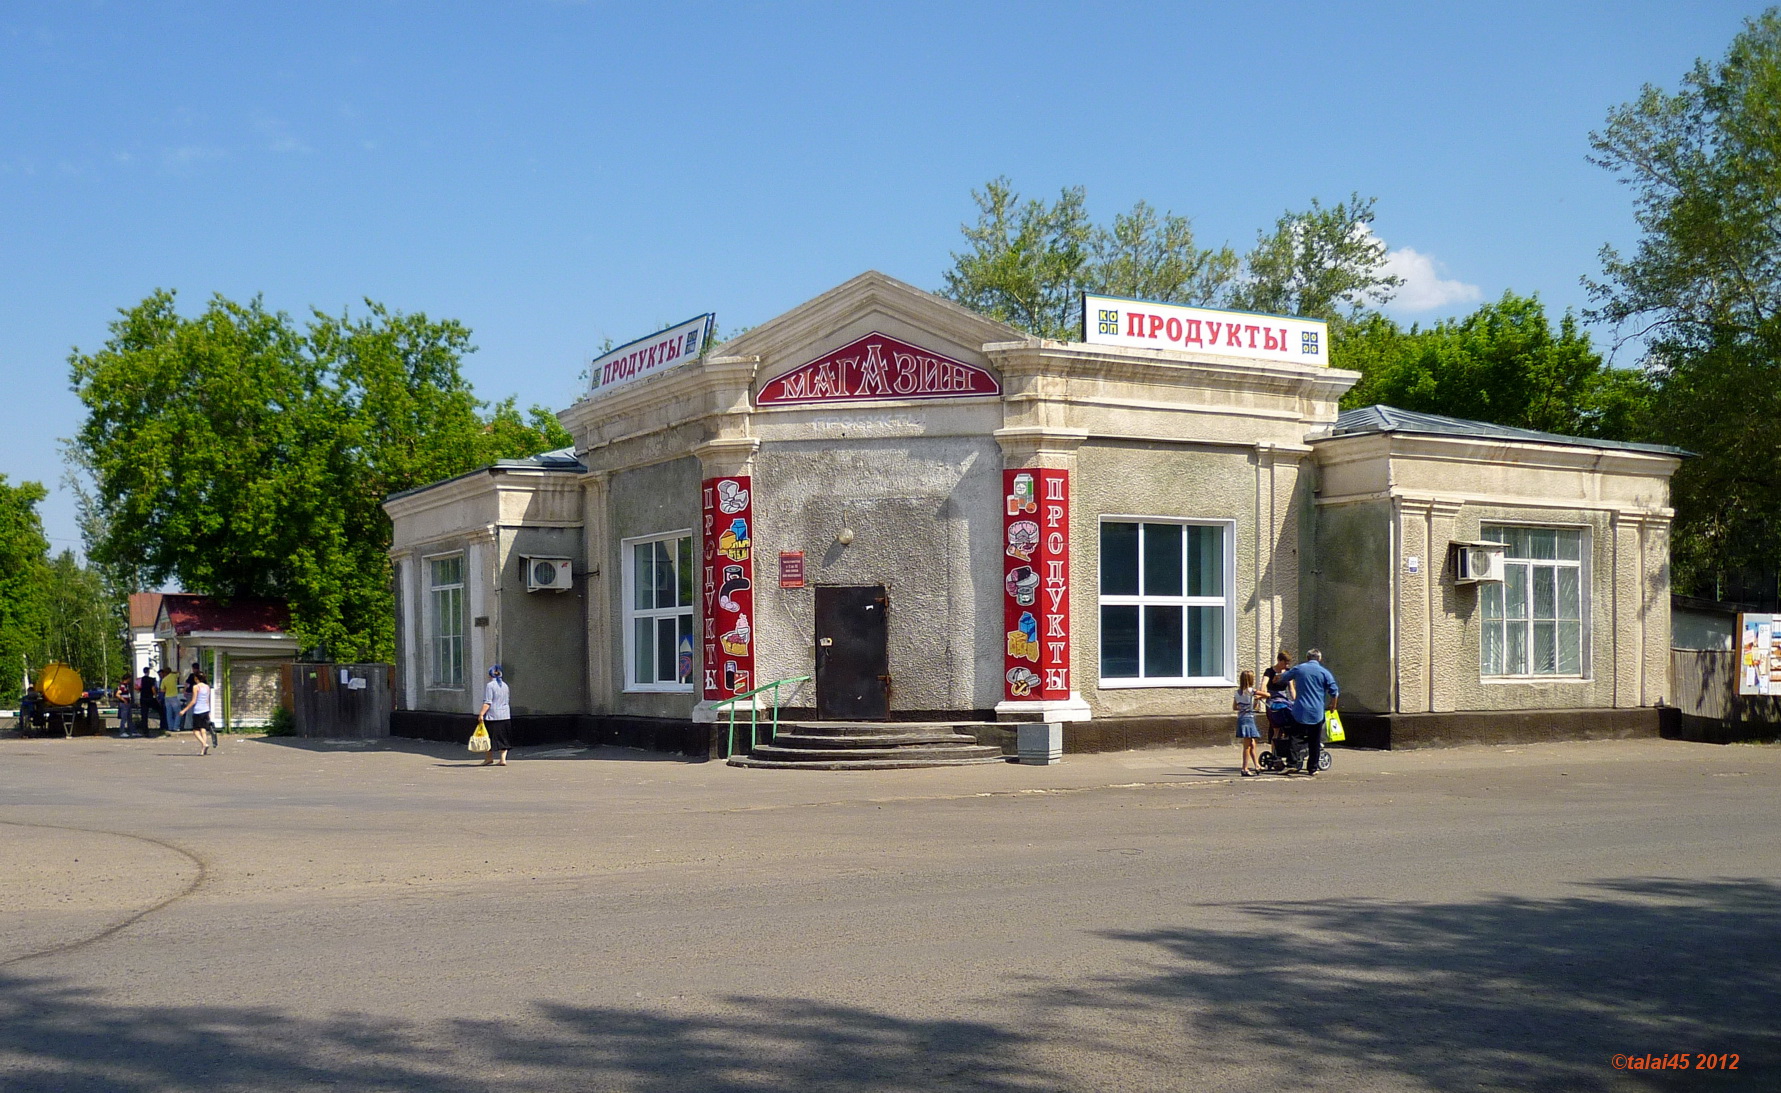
(936, 517)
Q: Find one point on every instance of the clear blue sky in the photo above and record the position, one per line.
(553, 174)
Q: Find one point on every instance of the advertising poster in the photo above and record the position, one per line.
(1759, 655)
(727, 582)
(1036, 584)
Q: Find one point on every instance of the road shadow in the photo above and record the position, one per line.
(57, 1039)
(1503, 992)
(1496, 993)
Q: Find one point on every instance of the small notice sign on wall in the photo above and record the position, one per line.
(791, 569)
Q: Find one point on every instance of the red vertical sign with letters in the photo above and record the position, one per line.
(727, 587)
(1036, 584)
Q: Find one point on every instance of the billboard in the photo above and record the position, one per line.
(1036, 584)
(1759, 654)
(728, 554)
(659, 352)
(1141, 324)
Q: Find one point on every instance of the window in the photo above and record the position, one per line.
(1165, 603)
(659, 613)
(1533, 620)
(445, 621)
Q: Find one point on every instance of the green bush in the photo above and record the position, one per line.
(283, 723)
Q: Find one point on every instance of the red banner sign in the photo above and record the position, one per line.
(878, 366)
(728, 585)
(1036, 584)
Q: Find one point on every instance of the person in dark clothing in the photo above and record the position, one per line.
(1280, 696)
(148, 696)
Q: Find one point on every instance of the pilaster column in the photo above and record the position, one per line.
(1041, 661)
(602, 589)
(726, 626)
(1425, 526)
(482, 600)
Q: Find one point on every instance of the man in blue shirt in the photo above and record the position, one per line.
(1315, 692)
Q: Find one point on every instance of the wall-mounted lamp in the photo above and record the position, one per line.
(845, 537)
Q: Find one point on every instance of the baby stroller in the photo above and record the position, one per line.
(1286, 752)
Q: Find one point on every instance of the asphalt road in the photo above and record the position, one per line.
(291, 916)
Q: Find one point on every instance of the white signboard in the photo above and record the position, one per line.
(1759, 654)
(1114, 320)
(648, 356)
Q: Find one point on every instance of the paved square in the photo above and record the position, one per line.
(295, 916)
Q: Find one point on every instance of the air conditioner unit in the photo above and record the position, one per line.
(1472, 563)
(548, 574)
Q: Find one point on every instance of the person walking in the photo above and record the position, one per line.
(198, 706)
(1315, 692)
(1245, 702)
(495, 716)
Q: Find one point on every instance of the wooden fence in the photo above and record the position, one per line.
(1704, 689)
(341, 700)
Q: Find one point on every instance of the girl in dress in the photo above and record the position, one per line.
(1245, 702)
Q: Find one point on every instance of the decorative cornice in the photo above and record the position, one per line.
(1453, 449)
(1027, 441)
(1428, 505)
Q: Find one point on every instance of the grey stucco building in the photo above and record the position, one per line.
(935, 516)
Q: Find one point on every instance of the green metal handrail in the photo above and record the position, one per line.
(754, 713)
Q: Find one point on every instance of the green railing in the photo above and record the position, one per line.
(754, 712)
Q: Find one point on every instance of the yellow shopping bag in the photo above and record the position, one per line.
(479, 740)
(1332, 728)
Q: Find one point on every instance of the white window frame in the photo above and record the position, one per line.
(1581, 565)
(430, 620)
(628, 550)
(1228, 602)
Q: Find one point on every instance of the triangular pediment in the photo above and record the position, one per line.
(851, 314)
(878, 366)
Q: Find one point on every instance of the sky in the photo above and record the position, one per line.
(554, 174)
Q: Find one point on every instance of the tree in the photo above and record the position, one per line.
(84, 626)
(23, 562)
(1702, 292)
(244, 456)
(1028, 262)
(1150, 258)
(1504, 363)
(1323, 263)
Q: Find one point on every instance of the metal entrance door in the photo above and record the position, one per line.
(852, 653)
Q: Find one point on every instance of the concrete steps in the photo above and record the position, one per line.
(868, 745)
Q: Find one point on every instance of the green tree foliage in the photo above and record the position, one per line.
(1504, 363)
(1148, 257)
(1702, 290)
(1028, 262)
(1323, 263)
(83, 625)
(242, 455)
(24, 554)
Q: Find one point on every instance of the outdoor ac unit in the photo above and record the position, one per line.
(1471, 563)
(548, 574)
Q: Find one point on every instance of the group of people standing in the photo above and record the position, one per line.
(1295, 700)
(182, 706)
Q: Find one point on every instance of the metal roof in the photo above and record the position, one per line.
(562, 459)
(1389, 419)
